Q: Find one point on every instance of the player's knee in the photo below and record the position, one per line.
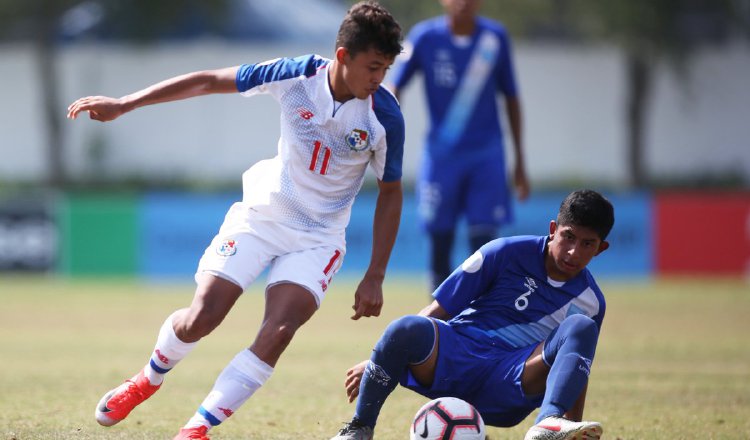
(581, 327)
(406, 328)
(577, 334)
(410, 334)
(281, 333)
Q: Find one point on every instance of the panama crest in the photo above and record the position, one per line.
(227, 248)
(358, 140)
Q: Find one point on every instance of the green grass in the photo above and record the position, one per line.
(673, 362)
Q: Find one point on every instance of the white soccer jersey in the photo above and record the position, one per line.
(323, 151)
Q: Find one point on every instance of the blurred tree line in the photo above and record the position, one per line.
(48, 24)
(648, 32)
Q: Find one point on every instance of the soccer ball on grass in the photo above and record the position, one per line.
(447, 418)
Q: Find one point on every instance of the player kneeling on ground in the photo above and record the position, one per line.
(514, 328)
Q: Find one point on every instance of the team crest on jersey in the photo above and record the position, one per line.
(358, 140)
(227, 248)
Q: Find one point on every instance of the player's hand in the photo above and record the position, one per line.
(100, 108)
(521, 182)
(368, 299)
(353, 379)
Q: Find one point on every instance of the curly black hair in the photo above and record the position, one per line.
(369, 25)
(589, 209)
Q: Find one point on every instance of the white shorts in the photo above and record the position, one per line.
(246, 245)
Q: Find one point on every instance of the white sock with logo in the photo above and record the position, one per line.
(168, 351)
(244, 375)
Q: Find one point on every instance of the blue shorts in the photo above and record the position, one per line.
(476, 188)
(484, 375)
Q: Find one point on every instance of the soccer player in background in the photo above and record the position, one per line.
(466, 62)
(336, 119)
(515, 327)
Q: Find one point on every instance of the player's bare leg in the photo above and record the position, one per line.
(213, 299)
(535, 371)
(288, 307)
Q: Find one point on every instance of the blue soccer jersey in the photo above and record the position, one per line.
(502, 305)
(503, 296)
(463, 171)
(462, 78)
(324, 149)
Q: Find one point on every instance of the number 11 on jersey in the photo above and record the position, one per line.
(317, 152)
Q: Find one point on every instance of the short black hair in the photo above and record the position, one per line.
(367, 25)
(589, 209)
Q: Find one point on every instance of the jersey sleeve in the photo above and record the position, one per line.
(388, 166)
(599, 317)
(506, 77)
(266, 76)
(473, 278)
(387, 162)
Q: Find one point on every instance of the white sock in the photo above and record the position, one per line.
(239, 380)
(168, 351)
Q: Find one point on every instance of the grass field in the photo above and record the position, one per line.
(673, 362)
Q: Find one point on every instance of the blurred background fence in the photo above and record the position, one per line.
(647, 101)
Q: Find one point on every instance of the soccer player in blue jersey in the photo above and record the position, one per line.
(514, 328)
(336, 120)
(467, 63)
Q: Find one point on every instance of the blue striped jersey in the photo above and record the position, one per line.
(462, 79)
(503, 296)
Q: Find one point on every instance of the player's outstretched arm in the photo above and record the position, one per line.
(368, 299)
(104, 108)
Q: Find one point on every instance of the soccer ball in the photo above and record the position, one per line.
(447, 418)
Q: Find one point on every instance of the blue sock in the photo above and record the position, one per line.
(569, 350)
(407, 340)
(479, 237)
(441, 246)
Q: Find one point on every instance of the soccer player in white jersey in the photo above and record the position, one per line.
(336, 119)
(513, 328)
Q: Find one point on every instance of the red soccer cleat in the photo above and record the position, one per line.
(198, 433)
(117, 403)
